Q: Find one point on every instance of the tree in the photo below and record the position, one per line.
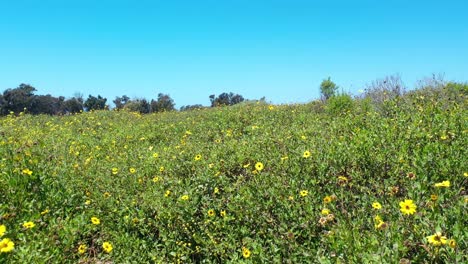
(17, 99)
(164, 103)
(191, 107)
(226, 99)
(328, 88)
(73, 105)
(46, 104)
(95, 103)
(138, 105)
(120, 102)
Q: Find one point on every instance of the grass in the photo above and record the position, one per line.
(183, 187)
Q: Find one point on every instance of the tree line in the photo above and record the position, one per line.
(24, 99)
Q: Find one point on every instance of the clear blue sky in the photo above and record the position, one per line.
(281, 49)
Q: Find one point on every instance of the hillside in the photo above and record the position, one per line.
(313, 183)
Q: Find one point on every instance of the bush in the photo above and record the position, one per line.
(339, 104)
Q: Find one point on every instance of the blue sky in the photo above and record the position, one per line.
(280, 49)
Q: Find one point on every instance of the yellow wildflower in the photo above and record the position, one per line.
(306, 154)
(304, 193)
(95, 220)
(107, 246)
(2, 230)
(6, 245)
(28, 225)
(82, 249)
(27, 171)
(452, 243)
(211, 213)
(437, 239)
(259, 166)
(442, 184)
(376, 205)
(408, 207)
(245, 252)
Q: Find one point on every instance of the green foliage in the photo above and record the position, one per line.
(17, 99)
(164, 103)
(339, 104)
(95, 103)
(191, 107)
(328, 88)
(188, 186)
(139, 105)
(225, 99)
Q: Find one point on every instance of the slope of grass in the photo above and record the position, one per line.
(255, 183)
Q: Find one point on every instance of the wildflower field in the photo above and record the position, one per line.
(322, 182)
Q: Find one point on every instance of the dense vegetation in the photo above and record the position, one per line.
(23, 99)
(378, 179)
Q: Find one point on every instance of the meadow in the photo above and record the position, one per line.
(342, 181)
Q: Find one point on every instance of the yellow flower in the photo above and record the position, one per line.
(380, 225)
(465, 174)
(46, 211)
(443, 184)
(304, 193)
(452, 243)
(185, 197)
(245, 252)
(434, 197)
(437, 239)
(88, 202)
(223, 213)
(377, 218)
(325, 211)
(115, 171)
(82, 249)
(216, 190)
(259, 166)
(106, 194)
(342, 180)
(156, 179)
(211, 213)
(132, 170)
(306, 154)
(198, 157)
(29, 225)
(408, 207)
(27, 171)
(327, 199)
(167, 193)
(6, 245)
(2, 230)
(107, 246)
(95, 220)
(161, 169)
(155, 155)
(443, 137)
(376, 205)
